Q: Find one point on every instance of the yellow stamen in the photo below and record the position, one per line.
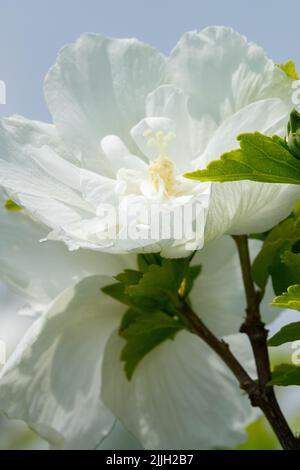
(162, 168)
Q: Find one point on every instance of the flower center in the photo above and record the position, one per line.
(162, 168)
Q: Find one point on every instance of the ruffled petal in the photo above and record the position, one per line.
(98, 87)
(222, 72)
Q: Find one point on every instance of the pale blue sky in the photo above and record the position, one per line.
(32, 31)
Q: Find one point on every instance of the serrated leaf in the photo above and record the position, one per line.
(287, 334)
(131, 316)
(144, 333)
(155, 295)
(259, 158)
(290, 69)
(268, 261)
(285, 375)
(12, 206)
(117, 292)
(289, 299)
(158, 288)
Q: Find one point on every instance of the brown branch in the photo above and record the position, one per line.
(266, 402)
(255, 329)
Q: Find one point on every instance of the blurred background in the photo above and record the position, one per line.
(32, 32)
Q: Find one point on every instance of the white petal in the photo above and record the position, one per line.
(121, 439)
(43, 270)
(52, 381)
(98, 87)
(244, 207)
(35, 148)
(266, 116)
(218, 293)
(97, 189)
(180, 397)
(119, 156)
(15, 435)
(222, 72)
(12, 325)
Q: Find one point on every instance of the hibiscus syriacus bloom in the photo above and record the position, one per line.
(128, 123)
(66, 379)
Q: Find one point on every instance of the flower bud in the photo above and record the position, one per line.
(294, 133)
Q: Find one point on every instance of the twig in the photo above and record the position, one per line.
(255, 329)
(266, 402)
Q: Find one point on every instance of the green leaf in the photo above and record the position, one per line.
(11, 206)
(287, 334)
(117, 292)
(131, 316)
(155, 295)
(179, 270)
(145, 260)
(158, 288)
(144, 333)
(289, 299)
(286, 272)
(293, 137)
(259, 158)
(280, 239)
(260, 437)
(290, 69)
(129, 277)
(286, 374)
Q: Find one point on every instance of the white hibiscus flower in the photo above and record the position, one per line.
(128, 122)
(65, 379)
